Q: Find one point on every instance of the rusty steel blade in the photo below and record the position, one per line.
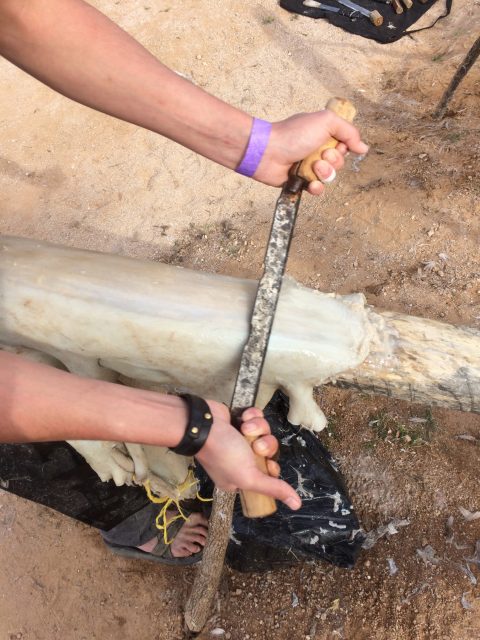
(266, 299)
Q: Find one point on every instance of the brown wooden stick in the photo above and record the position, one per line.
(207, 578)
(460, 73)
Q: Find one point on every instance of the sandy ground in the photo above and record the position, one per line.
(401, 227)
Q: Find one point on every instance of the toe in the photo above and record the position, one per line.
(195, 538)
(197, 519)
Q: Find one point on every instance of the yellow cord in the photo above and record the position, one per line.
(199, 497)
(161, 521)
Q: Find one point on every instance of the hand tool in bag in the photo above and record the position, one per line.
(375, 17)
(397, 7)
(355, 10)
(256, 505)
(395, 4)
(329, 8)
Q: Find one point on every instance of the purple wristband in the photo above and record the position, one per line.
(257, 144)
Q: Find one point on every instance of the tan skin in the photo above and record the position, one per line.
(79, 52)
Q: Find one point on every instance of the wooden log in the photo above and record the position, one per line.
(104, 315)
(426, 361)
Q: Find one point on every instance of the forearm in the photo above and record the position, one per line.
(40, 403)
(76, 50)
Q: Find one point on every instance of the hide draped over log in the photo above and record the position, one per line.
(164, 327)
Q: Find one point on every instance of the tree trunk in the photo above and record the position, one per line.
(431, 362)
(164, 323)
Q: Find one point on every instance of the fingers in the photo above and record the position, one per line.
(315, 188)
(333, 159)
(273, 468)
(252, 412)
(323, 169)
(347, 133)
(255, 426)
(326, 169)
(261, 483)
(265, 446)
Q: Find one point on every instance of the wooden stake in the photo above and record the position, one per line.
(460, 73)
(207, 579)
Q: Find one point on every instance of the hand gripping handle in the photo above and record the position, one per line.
(343, 108)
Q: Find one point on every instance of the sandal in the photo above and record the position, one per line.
(161, 553)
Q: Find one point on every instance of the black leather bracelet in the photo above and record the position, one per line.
(199, 423)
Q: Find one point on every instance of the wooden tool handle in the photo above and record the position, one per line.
(397, 7)
(376, 18)
(343, 108)
(256, 505)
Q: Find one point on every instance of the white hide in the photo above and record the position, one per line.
(103, 316)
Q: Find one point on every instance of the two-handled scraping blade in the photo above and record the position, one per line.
(256, 505)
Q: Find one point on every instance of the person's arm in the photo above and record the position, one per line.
(76, 50)
(40, 403)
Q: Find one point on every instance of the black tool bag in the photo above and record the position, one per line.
(325, 528)
(393, 28)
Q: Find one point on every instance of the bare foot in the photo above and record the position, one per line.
(189, 540)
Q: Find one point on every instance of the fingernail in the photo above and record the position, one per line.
(262, 447)
(330, 178)
(294, 503)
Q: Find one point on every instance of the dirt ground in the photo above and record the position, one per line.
(401, 226)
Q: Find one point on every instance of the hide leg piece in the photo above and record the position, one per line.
(265, 392)
(124, 461)
(139, 461)
(303, 408)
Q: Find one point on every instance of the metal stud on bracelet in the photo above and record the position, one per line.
(199, 423)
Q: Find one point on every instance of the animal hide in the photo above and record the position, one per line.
(171, 329)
